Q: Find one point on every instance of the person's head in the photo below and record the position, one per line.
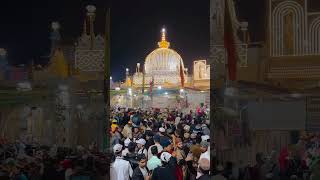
(142, 160)
(156, 138)
(165, 157)
(154, 150)
(117, 149)
(204, 166)
(149, 135)
(120, 128)
(136, 129)
(127, 142)
(186, 137)
(131, 147)
(166, 144)
(204, 146)
(162, 131)
(141, 143)
(179, 143)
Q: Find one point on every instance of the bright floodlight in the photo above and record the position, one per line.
(110, 77)
(130, 91)
(127, 69)
(159, 87)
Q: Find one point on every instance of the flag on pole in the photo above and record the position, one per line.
(181, 75)
(143, 79)
(229, 42)
(151, 85)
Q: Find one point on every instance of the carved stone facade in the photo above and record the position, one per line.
(89, 50)
(293, 30)
(201, 70)
(218, 53)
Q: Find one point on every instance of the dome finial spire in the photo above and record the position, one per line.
(163, 34)
(164, 43)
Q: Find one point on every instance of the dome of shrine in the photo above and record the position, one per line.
(163, 60)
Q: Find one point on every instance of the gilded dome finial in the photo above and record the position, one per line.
(164, 43)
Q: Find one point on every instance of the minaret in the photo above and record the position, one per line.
(91, 14)
(85, 27)
(217, 50)
(55, 36)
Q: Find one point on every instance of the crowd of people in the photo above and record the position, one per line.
(22, 161)
(153, 144)
(150, 144)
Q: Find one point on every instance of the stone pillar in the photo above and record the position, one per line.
(63, 116)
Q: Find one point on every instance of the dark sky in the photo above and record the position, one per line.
(135, 28)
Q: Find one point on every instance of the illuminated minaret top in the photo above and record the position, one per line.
(164, 43)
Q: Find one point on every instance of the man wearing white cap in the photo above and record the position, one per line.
(120, 168)
(167, 170)
(203, 169)
(141, 148)
(126, 150)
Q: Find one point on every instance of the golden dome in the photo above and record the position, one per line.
(59, 66)
(163, 60)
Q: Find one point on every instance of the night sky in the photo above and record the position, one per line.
(135, 27)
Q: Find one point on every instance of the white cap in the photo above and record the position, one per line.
(162, 130)
(141, 141)
(186, 128)
(165, 157)
(117, 148)
(127, 142)
(205, 137)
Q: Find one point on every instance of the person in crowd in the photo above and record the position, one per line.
(196, 147)
(120, 168)
(167, 146)
(149, 139)
(126, 144)
(204, 169)
(127, 130)
(67, 165)
(154, 161)
(156, 139)
(115, 136)
(192, 166)
(167, 170)
(136, 133)
(132, 155)
(141, 172)
(180, 155)
(140, 147)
